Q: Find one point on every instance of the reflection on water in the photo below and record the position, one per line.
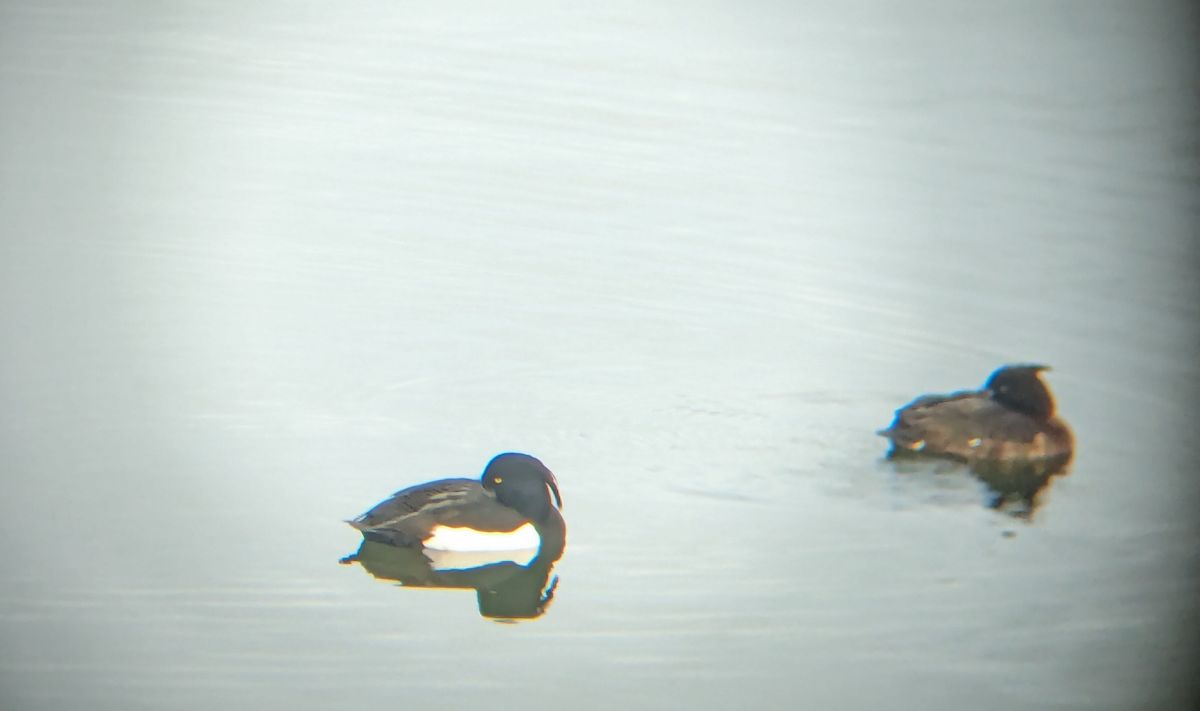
(506, 590)
(1014, 486)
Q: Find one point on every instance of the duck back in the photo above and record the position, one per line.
(409, 516)
(971, 426)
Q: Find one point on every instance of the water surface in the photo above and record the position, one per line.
(261, 266)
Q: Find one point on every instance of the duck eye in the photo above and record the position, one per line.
(496, 480)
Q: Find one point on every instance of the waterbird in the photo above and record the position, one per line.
(506, 515)
(1011, 419)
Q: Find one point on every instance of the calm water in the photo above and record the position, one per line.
(262, 266)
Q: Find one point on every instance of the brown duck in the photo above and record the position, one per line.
(1012, 418)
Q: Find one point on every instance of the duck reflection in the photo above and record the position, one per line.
(499, 535)
(506, 590)
(1018, 485)
(1015, 487)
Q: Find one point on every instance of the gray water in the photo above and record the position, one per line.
(263, 264)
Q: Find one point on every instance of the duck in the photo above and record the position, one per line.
(1012, 418)
(457, 523)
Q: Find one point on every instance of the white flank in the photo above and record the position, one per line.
(465, 560)
(445, 538)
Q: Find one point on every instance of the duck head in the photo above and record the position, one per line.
(523, 484)
(1019, 388)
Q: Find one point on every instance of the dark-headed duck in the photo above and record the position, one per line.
(507, 509)
(1011, 418)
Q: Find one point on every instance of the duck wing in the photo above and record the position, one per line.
(410, 515)
(966, 424)
(423, 500)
